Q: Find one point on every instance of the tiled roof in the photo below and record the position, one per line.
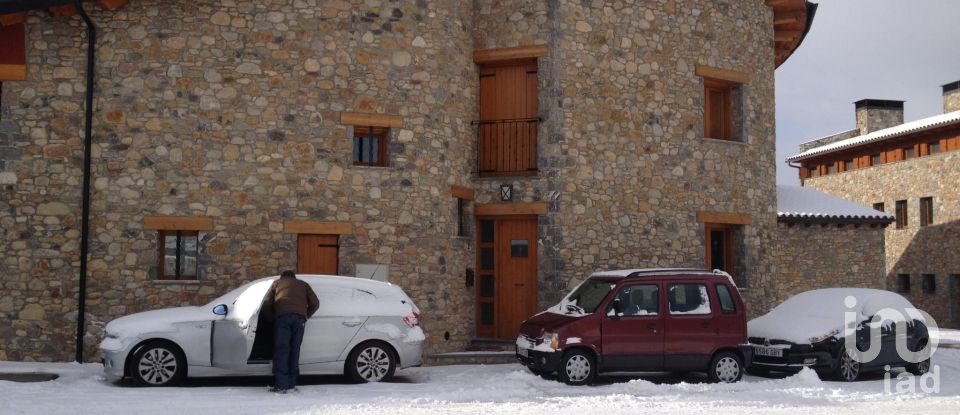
(798, 203)
(880, 135)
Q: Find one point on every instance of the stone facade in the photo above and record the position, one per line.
(875, 114)
(914, 250)
(951, 97)
(808, 257)
(229, 110)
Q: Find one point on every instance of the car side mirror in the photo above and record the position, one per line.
(220, 309)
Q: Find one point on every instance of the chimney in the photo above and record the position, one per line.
(951, 97)
(877, 114)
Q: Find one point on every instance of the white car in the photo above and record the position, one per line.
(365, 329)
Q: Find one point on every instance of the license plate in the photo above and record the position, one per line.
(523, 352)
(767, 351)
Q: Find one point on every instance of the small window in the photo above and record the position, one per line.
(929, 283)
(874, 159)
(847, 165)
(519, 248)
(637, 300)
(689, 299)
(369, 146)
(934, 147)
(178, 255)
(831, 168)
(926, 211)
(718, 109)
(814, 171)
(727, 305)
(909, 153)
(903, 283)
(901, 214)
(879, 206)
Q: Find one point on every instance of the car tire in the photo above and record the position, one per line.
(848, 369)
(371, 361)
(578, 367)
(158, 363)
(726, 367)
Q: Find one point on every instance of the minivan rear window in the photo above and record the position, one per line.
(588, 296)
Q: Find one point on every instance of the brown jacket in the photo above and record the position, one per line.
(290, 296)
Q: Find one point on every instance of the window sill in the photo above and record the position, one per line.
(718, 140)
(177, 282)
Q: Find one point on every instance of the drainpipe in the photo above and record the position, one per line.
(85, 215)
(798, 172)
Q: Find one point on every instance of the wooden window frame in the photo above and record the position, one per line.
(877, 162)
(902, 214)
(926, 211)
(725, 89)
(177, 276)
(879, 207)
(379, 135)
(848, 165)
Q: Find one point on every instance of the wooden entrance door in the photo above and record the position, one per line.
(507, 270)
(317, 254)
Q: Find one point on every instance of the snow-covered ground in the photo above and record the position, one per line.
(475, 390)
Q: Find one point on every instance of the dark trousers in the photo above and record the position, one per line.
(287, 336)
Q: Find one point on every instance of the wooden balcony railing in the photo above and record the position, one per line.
(507, 147)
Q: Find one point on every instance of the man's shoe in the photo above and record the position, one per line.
(276, 390)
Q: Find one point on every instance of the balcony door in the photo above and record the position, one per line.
(508, 119)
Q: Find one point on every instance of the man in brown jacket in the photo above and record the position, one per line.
(290, 302)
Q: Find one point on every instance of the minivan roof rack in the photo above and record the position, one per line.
(640, 272)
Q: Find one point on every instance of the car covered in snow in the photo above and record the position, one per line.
(810, 329)
(365, 329)
(640, 320)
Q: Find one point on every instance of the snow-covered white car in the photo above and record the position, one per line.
(809, 329)
(365, 329)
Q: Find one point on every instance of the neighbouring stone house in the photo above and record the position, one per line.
(483, 155)
(910, 170)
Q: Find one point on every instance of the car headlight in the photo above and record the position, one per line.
(552, 340)
(819, 339)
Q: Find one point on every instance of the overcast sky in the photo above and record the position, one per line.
(882, 49)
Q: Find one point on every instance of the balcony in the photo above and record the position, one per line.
(507, 147)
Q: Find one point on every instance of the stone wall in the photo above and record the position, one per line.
(824, 256)
(229, 109)
(829, 139)
(914, 250)
(870, 119)
(951, 100)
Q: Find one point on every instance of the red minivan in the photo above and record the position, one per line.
(641, 320)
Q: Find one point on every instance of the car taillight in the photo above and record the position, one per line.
(412, 320)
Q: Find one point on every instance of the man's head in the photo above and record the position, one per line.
(288, 274)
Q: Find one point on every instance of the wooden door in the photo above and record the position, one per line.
(508, 126)
(317, 254)
(507, 269)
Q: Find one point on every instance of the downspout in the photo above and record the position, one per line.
(798, 171)
(85, 215)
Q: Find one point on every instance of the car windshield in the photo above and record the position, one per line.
(585, 298)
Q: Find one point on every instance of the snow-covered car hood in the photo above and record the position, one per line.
(148, 321)
(819, 313)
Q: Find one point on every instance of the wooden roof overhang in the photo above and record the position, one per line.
(791, 22)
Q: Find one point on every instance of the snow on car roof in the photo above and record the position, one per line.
(621, 273)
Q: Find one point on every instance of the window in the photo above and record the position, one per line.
(929, 283)
(636, 300)
(847, 165)
(727, 305)
(874, 159)
(901, 214)
(909, 153)
(878, 206)
(688, 299)
(369, 146)
(831, 168)
(814, 171)
(903, 283)
(178, 255)
(718, 109)
(926, 211)
(933, 147)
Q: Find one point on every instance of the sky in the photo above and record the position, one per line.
(881, 49)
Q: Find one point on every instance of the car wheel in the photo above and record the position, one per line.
(919, 368)
(848, 369)
(371, 362)
(725, 367)
(158, 363)
(578, 367)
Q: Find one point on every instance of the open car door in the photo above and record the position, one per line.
(233, 335)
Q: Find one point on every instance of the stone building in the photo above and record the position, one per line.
(483, 155)
(910, 170)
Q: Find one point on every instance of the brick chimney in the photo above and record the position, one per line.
(877, 114)
(951, 97)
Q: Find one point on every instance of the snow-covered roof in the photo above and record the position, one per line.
(880, 135)
(794, 202)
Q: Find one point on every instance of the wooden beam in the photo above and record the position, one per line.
(112, 4)
(371, 120)
(775, 3)
(728, 218)
(787, 35)
(722, 74)
(12, 18)
(501, 209)
(785, 18)
(178, 223)
(461, 192)
(67, 10)
(13, 72)
(507, 54)
(318, 227)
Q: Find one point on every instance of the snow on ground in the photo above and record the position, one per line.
(473, 390)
